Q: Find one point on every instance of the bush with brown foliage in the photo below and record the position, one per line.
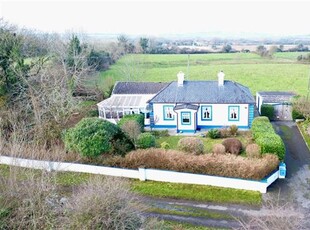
(29, 204)
(232, 145)
(277, 215)
(212, 164)
(104, 204)
(191, 145)
(31, 200)
(224, 132)
(253, 151)
(218, 149)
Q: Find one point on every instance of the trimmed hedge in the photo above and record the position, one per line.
(267, 111)
(265, 136)
(212, 164)
(139, 118)
(271, 143)
(93, 136)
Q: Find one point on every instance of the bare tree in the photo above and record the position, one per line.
(132, 129)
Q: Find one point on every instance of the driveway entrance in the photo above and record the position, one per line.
(296, 187)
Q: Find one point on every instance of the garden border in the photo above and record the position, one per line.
(146, 174)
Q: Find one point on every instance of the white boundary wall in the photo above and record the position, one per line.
(145, 174)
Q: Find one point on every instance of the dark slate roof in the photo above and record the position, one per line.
(138, 87)
(186, 106)
(204, 92)
(276, 96)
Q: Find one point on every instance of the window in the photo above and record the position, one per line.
(206, 113)
(233, 113)
(168, 112)
(185, 118)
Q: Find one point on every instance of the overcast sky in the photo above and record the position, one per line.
(160, 17)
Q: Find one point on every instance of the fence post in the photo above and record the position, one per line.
(142, 174)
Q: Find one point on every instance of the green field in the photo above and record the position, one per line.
(282, 72)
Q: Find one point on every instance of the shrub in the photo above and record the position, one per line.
(104, 204)
(212, 164)
(139, 118)
(218, 149)
(224, 132)
(28, 204)
(164, 145)
(145, 140)
(233, 130)
(160, 133)
(214, 133)
(297, 115)
(272, 143)
(268, 111)
(232, 145)
(253, 151)
(191, 145)
(93, 136)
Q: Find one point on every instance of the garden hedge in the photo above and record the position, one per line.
(227, 165)
(265, 136)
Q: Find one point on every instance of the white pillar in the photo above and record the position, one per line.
(142, 174)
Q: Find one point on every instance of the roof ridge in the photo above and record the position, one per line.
(160, 91)
(241, 87)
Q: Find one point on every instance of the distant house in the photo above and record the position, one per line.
(281, 101)
(183, 105)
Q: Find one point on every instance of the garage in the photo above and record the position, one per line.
(281, 102)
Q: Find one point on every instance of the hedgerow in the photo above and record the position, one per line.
(212, 164)
(265, 136)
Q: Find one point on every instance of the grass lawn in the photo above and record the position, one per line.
(208, 142)
(157, 189)
(179, 210)
(173, 225)
(282, 72)
(197, 192)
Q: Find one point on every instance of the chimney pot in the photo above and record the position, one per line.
(180, 76)
(221, 76)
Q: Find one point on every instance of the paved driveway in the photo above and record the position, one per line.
(295, 189)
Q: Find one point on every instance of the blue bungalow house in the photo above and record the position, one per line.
(188, 106)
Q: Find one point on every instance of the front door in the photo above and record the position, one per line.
(187, 121)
